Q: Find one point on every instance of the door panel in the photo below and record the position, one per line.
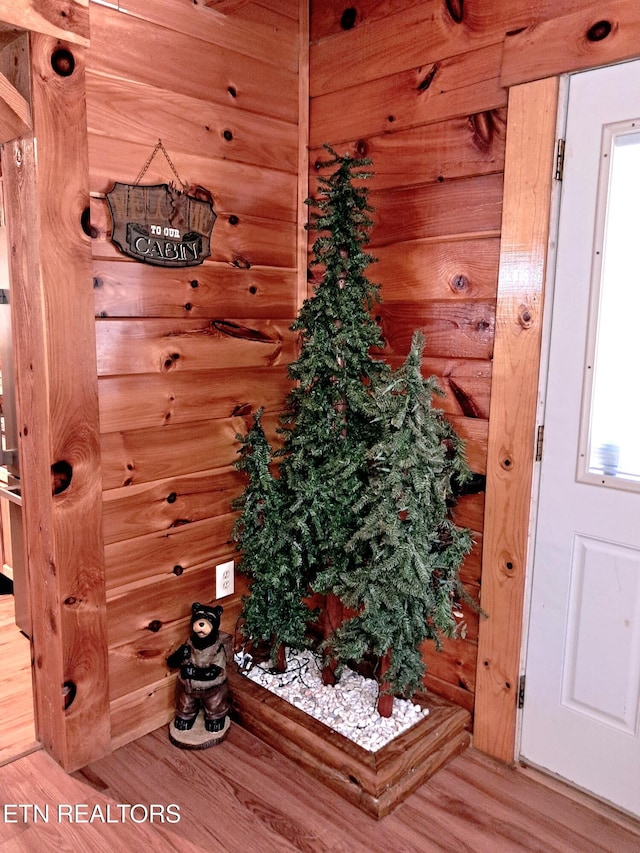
(603, 624)
(581, 717)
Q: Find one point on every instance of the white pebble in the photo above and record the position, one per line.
(349, 707)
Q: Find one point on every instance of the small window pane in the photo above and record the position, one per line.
(614, 445)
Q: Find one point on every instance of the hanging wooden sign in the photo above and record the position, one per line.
(160, 224)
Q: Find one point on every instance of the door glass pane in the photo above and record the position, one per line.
(614, 430)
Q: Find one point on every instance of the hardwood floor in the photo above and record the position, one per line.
(17, 733)
(244, 797)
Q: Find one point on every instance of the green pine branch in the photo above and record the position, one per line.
(327, 422)
(368, 473)
(274, 610)
(405, 582)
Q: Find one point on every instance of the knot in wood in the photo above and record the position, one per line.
(69, 692)
(428, 79)
(455, 8)
(61, 474)
(87, 227)
(599, 31)
(349, 18)
(154, 626)
(459, 283)
(483, 129)
(169, 361)
(63, 62)
(242, 410)
(525, 317)
(148, 654)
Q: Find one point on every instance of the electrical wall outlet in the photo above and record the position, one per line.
(224, 579)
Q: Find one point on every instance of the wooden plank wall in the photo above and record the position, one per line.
(185, 355)
(421, 87)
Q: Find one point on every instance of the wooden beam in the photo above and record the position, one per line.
(64, 19)
(599, 34)
(525, 231)
(53, 325)
(15, 115)
(15, 89)
(303, 152)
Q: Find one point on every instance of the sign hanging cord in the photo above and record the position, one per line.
(160, 147)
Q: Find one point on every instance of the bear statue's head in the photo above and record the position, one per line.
(205, 623)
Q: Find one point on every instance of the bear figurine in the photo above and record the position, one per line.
(202, 681)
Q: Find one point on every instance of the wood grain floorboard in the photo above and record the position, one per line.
(17, 732)
(244, 797)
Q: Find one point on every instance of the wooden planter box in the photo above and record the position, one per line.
(376, 782)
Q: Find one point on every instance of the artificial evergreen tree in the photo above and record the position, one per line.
(274, 612)
(406, 551)
(324, 465)
(359, 511)
(294, 529)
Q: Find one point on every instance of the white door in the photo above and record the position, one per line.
(581, 716)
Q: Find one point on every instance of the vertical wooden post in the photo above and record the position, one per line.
(385, 700)
(47, 188)
(525, 231)
(302, 252)
(333, 618)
